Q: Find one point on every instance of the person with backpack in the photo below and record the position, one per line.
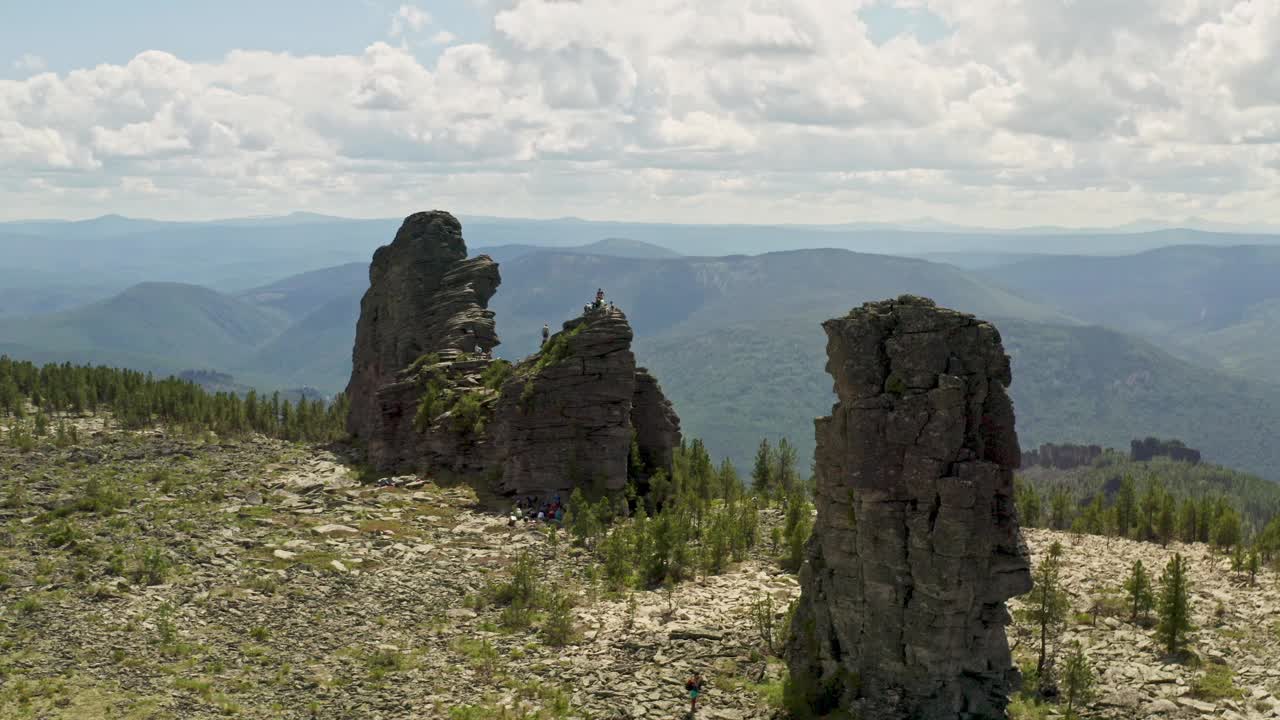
(546, 333)
(694, 686)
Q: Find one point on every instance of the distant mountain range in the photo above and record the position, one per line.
(737, 344)
(49, 266)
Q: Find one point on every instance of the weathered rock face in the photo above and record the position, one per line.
(422, 399)
(565, 419)
(916, 546)
(445, 439)
(656, 424)
(424, 296)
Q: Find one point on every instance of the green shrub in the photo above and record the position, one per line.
(557, 629)
(150, 566)
(1215, 683)
(497, 374)
(469, 413)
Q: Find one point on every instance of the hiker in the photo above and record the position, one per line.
(599, 298)
(694, 686)
(546, 333)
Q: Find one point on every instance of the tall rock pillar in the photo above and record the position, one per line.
(916, 546)
(425, 296)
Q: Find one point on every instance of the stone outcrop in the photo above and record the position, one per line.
(568, 415)
(916, 546)
(424, 296)
(656, 424)
(1062, 457)
(425, 395)
(1150, 448)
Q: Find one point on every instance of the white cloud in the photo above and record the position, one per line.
(1029, 112)
(409, 18)
(29, 63)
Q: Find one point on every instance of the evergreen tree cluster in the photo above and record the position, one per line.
(1158, 501)
(139, 400)
(697, 520)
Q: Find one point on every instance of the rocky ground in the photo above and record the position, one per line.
(1236, 672)
(152, 576)
(149, 576)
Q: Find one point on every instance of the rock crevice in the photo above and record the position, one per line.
(916, 546)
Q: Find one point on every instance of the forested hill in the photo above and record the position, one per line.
(736, 340)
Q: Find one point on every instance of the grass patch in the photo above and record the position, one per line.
(1215, 683)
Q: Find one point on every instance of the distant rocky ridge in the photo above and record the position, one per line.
(1068, 456)
(1062, 457)
(425, 394)
(916, 546)
(1149, 448)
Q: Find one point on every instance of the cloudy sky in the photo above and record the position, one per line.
(991, 112)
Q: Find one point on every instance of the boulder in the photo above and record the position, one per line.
(916, 545)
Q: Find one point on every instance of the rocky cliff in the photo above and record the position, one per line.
(424, 296)
(916, 546)
(568, 415)
(426, 396)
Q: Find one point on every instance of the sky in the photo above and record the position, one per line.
(980, 112)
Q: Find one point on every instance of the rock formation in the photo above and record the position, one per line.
(1150, 448)
(424, 295)
(567, 416)
(916, 546)
(1062, 457)
(425, 396)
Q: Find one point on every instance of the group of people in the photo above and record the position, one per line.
(598, 304)
(529, 509)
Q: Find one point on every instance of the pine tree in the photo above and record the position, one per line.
(1047, 609)
(1187, 521)
(730, 485)
(762, 482)
(1078, 681)
(1148, 510)
(1226, 528)
(1175, 606)
(1166, 521)
(785, 478)
(1028, 502)
(1253, 564)
(9, 396)
(1125, 507)
(1059, 510)
(1138, 586)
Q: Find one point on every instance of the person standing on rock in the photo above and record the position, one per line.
(694, 686)
(546, 333)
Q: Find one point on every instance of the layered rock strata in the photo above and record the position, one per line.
(425, 396)
(424, 296)
(568, 416)
(916, 545)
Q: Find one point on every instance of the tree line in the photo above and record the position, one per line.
(36, 398)
(1163, 508)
